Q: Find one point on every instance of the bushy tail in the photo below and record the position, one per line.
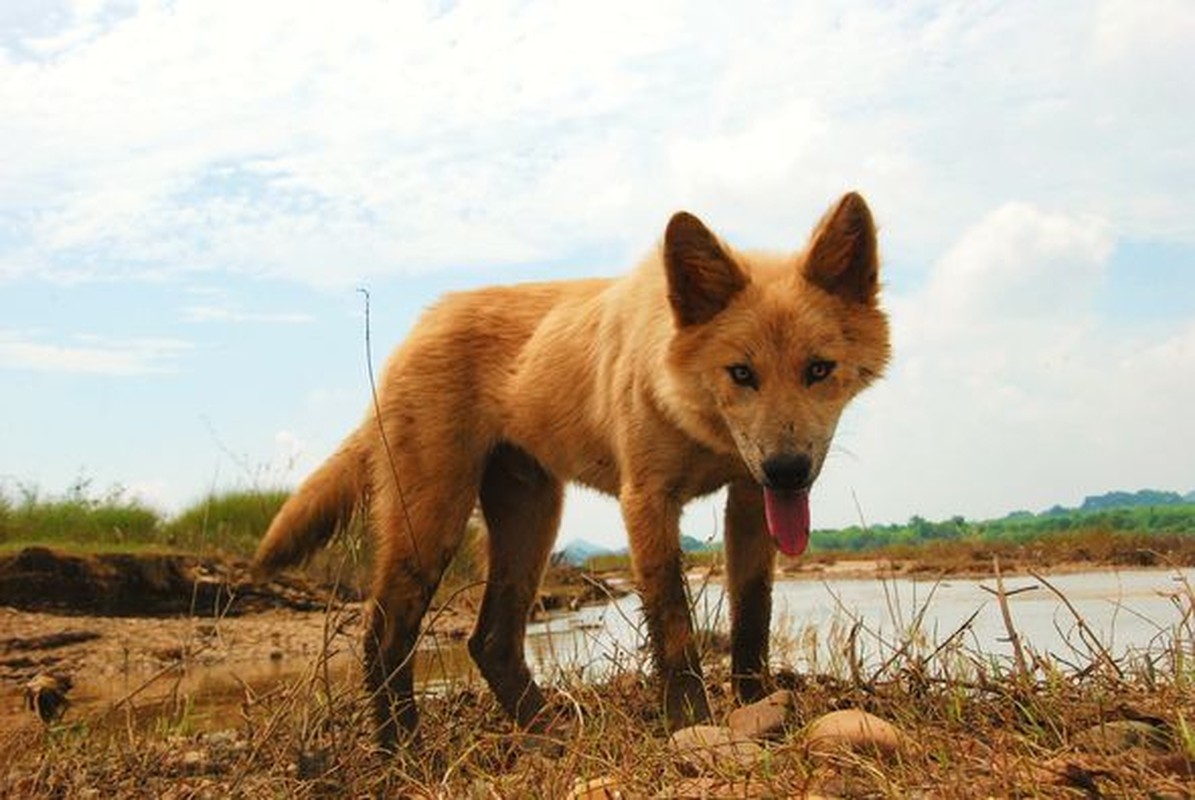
(318, 508)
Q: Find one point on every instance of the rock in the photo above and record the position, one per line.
(763, 719)
(1120, 735)
(1065, 771)
(604, 788)
(853, 729)
(194, 762)
(711, 747)
(46, 694)
(313, 762)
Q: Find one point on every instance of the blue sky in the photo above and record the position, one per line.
(193, 192)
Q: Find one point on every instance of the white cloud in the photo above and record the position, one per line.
(330, 143)
(1130, 30)
(1018, 264)
(1007, 392)
(90, 354)
(1005, 148)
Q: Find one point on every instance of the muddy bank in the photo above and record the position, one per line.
(149, 585)
(96, 648)
(125, 617)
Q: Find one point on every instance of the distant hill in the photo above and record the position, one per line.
(1108, 501)
(578, 551)
(690, 544)
(1143, 497)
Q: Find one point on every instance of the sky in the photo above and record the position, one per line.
(193, 195)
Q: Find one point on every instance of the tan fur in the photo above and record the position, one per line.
(502, 395)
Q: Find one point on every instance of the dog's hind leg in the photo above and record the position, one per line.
(416, 534)
(750, 560)
(521, 503)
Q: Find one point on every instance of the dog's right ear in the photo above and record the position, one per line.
(702, 277)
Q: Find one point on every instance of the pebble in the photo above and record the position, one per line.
(604, 788)
(1120, 735)
(712, 747)
(853, 729)
(764, 719)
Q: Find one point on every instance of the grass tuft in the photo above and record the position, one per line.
(230, 523)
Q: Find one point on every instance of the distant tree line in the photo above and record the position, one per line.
(1146, 511)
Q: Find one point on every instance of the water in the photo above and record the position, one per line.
(1127, 612)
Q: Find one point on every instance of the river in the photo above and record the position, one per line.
(1127, 613)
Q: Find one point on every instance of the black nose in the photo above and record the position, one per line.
(788, 471)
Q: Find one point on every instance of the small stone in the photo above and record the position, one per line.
(46, 695)
(710, 747)
(604, 788)
(763, 719)
(1120, 735)
(853, 729)
(193, 762)
(313, 762)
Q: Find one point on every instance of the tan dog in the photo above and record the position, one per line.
(702, 368)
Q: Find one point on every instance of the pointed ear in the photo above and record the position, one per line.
(702, 277)
(843, 258)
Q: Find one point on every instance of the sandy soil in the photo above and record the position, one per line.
(113, 625)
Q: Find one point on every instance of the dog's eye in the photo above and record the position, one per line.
(818, 371)
(743, 375)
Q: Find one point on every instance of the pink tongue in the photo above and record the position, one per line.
(788, 519)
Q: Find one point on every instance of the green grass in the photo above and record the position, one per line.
(229, 523)
(77, 520)
(232, 523)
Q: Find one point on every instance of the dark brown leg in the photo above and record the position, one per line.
(653, 526)
(750, 561)
(522, 504)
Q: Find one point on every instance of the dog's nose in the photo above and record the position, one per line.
(788, 471)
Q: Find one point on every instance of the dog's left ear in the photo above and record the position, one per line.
(843, 257)
(702, 277)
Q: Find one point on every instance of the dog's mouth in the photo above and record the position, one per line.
(787, 512)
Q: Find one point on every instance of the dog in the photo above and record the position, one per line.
(702, 368)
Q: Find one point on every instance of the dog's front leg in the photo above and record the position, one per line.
(653, 526)
(750, 561)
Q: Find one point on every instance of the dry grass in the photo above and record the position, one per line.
(1080, 549)
(978, 726)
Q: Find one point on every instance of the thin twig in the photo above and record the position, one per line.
(1013, 637)
(1089, 637)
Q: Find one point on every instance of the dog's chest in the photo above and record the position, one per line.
(704, 472)
(598, 472)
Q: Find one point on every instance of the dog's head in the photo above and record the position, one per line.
(769, 349)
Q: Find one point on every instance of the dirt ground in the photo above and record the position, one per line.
(121, 627)
(125, 628)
